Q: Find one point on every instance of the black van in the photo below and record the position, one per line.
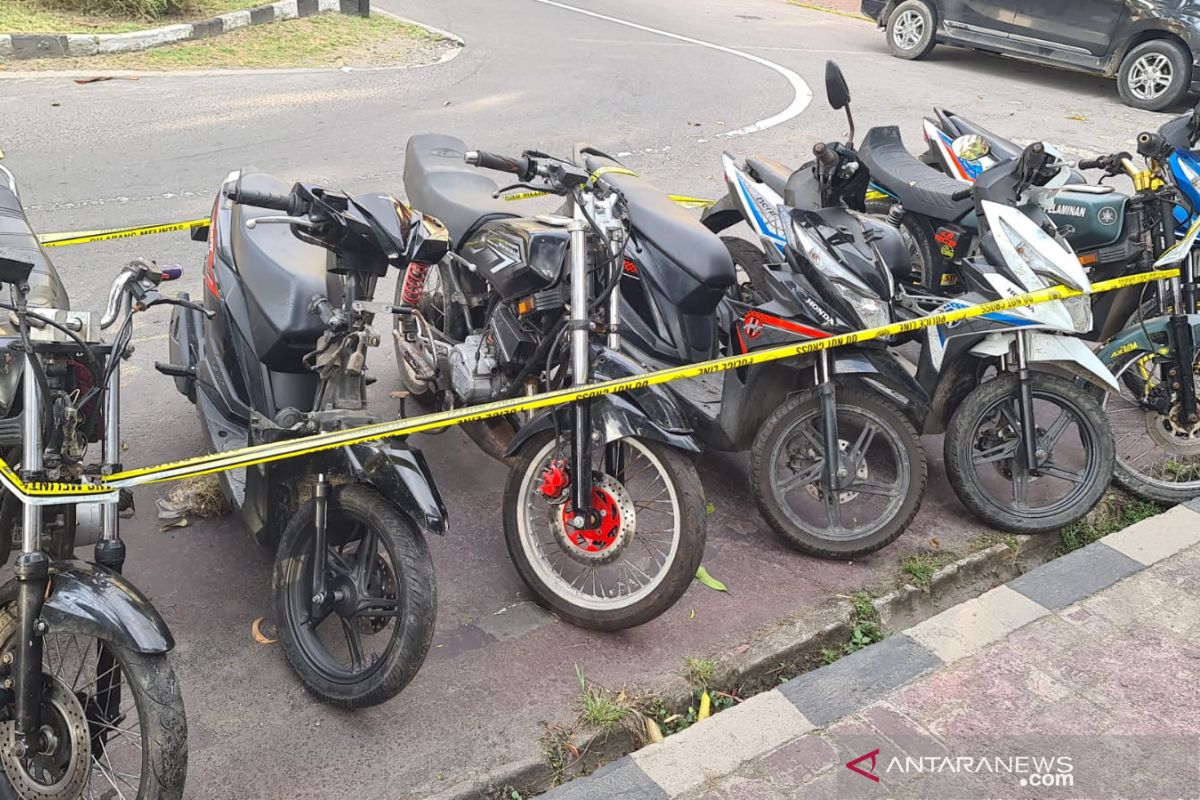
(1152, 47)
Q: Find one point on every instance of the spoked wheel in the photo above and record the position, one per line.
(640, 556)
(884, 481)
(372, 631)
(986, 463)
(1157, 450)
(113, 724)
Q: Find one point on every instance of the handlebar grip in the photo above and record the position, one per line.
(171, 273)
(1092, 163)
(250, 197)
(1150, 144)
(482, 158)
(962, 194)
(825, 156)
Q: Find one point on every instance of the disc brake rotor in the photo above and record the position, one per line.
(60, 769)
(863, 473)
(382, 583)
(614, 528)
(1173, 435)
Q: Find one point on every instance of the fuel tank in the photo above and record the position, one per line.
(1098, 219)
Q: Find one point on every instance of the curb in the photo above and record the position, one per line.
(796, 641)
(818, 698)
(25, 46)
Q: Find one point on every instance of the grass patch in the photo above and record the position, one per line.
(699, 671)
(1121, 512)
(865, 629)
(329, 40)
(39, 16)
(920, 567)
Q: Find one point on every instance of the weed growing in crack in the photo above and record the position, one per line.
(1122, 512)
(865, 629)
(920, 567)
(699, 671)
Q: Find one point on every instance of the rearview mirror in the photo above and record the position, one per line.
(835, 86)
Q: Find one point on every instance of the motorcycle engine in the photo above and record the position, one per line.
(474, 373)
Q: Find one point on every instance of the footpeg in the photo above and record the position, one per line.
(175, 370)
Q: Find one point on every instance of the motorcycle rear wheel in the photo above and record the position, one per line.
(117, 720)
(655, 564)
(381, 584)
(891, 466)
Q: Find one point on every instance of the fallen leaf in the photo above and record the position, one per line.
(259, 636)
(705, 707)
(741, 648)
(672, 718)
(175, 523)
(709, 581)
(572, 749)
(654, 734)
(710, 508)
(692, 615)
(1078, 117)
(446, 103)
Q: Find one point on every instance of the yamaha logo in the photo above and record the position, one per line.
(1107, 215)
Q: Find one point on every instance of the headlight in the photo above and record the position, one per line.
(872, 312)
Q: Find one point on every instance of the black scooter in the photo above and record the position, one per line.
(281, 354)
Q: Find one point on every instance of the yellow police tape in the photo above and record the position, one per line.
(87, 237)
(275, 451)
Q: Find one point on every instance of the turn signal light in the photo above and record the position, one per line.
(1088, 259)
(526, 305)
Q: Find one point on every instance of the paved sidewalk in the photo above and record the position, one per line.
(1080, 679)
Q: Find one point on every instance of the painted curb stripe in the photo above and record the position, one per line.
(290, 448)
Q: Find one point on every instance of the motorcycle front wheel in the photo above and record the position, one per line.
(883, 459)
(112, 719)
(986, 463)
(636, 562)
(1158, 454)
(369, 637)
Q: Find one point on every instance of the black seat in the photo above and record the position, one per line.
(19, 241)
(441, 184)
(770, 172)
(281, 275)
(679, 235)
(921, 189)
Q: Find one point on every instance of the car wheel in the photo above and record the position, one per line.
(910, 30)
(1155, 75)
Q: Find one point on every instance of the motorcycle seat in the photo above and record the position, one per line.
(17, 237)
(694, 248)
(441, 184)
(281, 275)
(920, 188)
(770, 172)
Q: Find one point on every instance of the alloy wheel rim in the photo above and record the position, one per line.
(909, 30)
(1151, 76)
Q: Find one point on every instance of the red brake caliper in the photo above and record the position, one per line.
(602, 537)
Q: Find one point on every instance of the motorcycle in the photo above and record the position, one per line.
(90, 703)
(604, 515)
(985, 376)
(836, 466)
(280, 352)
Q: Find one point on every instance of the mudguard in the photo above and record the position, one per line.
(92, 601)
(1065, 352)
(402, 476)
(882, 370)
(1152, 336)
(725, 213)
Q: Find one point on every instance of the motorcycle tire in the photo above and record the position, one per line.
(796, 529)
(356, 509)
(157, 711)
(537, 569)
(967, 480)
(1138, 479)
(753, 262)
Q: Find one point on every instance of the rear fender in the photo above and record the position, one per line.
(725, 213)
(402, 476)
(89, 600)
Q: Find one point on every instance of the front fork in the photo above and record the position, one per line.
(581, 443)
(1029, 438)
(836, 471)
(1181, 373)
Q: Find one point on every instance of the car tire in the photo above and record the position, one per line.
(1155, 75)
(911, 30)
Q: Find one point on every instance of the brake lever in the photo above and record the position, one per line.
(303, 222)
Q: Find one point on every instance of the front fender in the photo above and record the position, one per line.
(401, 475)
(92, 601)
(654, 400)
(1065, 352)
(881, 368)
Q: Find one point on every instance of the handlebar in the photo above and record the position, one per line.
(1092, 163)
(523, 167)
(825, 155)
(276, 202)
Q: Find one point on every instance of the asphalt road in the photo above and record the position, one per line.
(533, 74)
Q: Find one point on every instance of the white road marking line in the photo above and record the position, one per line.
(802, 93)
